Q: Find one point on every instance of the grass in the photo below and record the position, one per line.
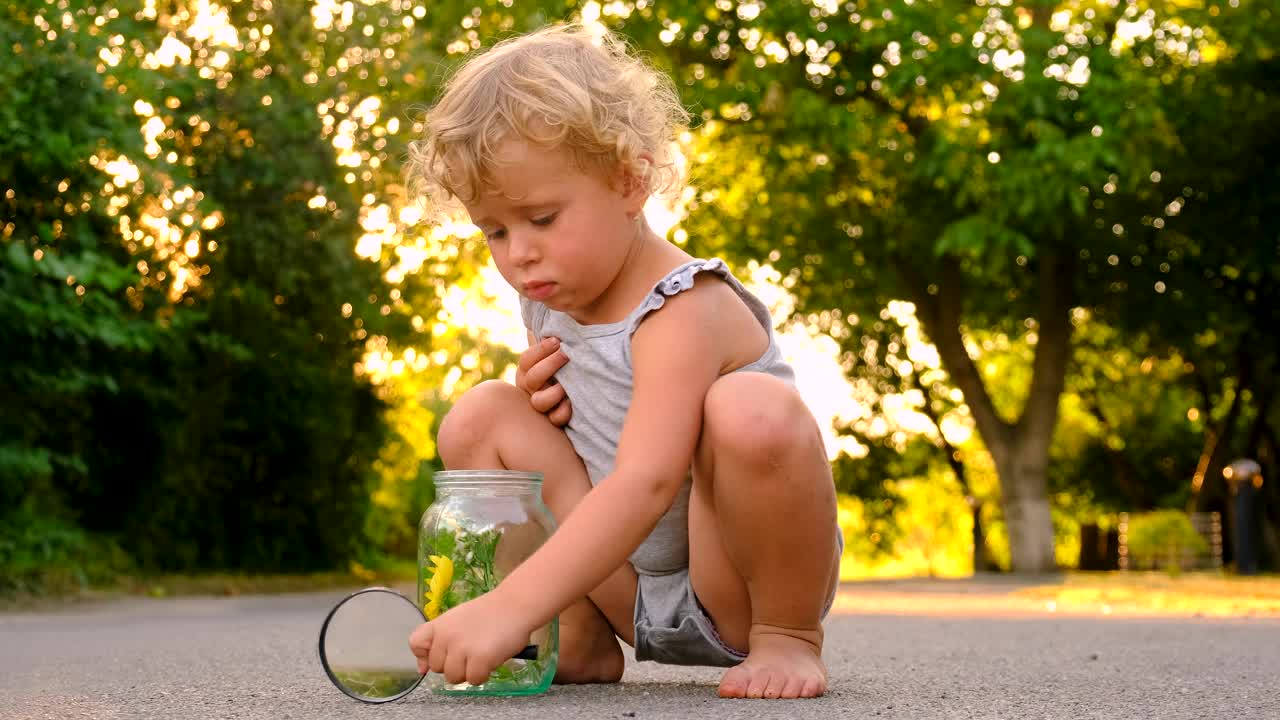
(1128, 594)
(395, 572)
(1207, 594)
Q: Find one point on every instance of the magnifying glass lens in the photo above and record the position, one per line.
(364, 645)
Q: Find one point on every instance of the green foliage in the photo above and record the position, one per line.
(1163, 538)
(41, 555)
(184, 326)
(469, 571)
(996, 165)
(376, 683)
(961, 157)
(866, 479)
(56, 309)
(472, 555)
(1215, 247)
(176, 361)
(1127, 439)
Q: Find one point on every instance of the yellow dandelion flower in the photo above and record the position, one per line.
(438, 585)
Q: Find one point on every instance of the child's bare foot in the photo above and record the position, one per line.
(783, 663)
(589, 651)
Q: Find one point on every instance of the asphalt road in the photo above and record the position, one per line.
(255, 657)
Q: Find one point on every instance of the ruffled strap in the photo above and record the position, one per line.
(681, 278)
(676, 282)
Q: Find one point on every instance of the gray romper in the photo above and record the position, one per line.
(670, 625)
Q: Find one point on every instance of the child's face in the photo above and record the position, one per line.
(558, 234)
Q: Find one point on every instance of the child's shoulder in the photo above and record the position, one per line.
(699, 285)
(694, 287)
(702, 301)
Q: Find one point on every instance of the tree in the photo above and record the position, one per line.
(1209, 291)
(987, 162)
(960, 156)
(182, 306)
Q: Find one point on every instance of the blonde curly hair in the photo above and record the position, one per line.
(563, 86)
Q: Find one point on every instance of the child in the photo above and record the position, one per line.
(696, 511)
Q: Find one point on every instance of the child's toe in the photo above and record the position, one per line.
(776, 685)
(813, 687)
(734, 683)
(793, 688)
(759, 682)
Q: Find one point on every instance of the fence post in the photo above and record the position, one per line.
(1123, 529)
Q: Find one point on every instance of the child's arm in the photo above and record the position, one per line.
(677, 354)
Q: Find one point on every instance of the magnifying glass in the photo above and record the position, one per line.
(364, 645)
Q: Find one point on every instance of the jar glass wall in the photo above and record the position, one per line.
(483, 524)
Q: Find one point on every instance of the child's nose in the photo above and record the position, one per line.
(521, 248)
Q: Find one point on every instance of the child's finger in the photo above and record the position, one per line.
(420, 640)
(455, 668)
(477, 672)
(438, 657)
(541, 372)
(561, 414)
(536, 352)
(546, 399)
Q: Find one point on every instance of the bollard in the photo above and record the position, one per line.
(1244, 477)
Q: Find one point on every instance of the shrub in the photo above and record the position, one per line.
(42, 555)
(1163, 538)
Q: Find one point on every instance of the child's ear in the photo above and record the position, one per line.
(635, 183)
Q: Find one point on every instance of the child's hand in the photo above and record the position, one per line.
(534, 375)
(469, 641)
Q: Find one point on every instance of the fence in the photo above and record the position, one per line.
(1207, 525)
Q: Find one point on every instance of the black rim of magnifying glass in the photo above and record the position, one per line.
(324, 657)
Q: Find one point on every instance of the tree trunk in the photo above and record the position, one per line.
(1207, 485)
(1025, 501)
(1209, 490)
(1020, 450)
(981, 558)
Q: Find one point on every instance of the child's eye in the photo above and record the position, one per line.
(495, 235)
(544, 220)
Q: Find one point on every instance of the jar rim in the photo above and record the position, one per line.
(468, 476)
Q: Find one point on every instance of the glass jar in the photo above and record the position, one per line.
(483, 524)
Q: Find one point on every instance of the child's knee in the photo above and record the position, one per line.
(758, 419)
(470, 422)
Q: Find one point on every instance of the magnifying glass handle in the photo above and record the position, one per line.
(530, 652)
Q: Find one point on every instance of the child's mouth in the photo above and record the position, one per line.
(538, 290)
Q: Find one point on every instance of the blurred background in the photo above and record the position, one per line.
(1023, 254)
